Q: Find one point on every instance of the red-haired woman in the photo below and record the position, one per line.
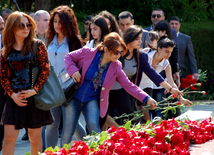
(17, 60)
(63, 36)
(100, 69)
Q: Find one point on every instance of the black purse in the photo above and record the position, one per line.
(51, 95)
(68, 85)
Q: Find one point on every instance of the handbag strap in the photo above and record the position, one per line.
(36, 52)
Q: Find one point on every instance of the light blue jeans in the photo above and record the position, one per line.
(52, 131)
(71, 114)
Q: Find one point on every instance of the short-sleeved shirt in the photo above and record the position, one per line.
(145, 81)
(130, 68)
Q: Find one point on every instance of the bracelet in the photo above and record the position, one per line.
(179, 96)
(170, 89)
(35, 90)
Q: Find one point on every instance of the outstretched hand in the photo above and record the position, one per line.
(176, 92)
(185, 101)
(152, 103)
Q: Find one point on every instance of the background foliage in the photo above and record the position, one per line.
(202, 34)
(197, 18)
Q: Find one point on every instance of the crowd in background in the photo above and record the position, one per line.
(124, 67)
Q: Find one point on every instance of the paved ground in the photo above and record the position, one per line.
(23, 147)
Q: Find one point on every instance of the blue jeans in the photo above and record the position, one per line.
(91, 112)
(52, 131)
(158, 95)
(43, 139)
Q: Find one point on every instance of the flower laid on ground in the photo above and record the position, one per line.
(170, 137)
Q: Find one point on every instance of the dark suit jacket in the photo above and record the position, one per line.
(185, 48)
(145, 37)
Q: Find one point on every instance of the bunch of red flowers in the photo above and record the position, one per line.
(189, 81)
(170, 137)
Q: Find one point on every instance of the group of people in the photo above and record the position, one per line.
(119, 61)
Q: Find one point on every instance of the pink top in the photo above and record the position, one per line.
(84, 57)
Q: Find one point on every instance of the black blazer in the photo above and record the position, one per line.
(185, 49)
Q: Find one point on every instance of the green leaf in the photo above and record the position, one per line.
(29, 153)
(147, 123)
(93, 145)
(103, 136)
(57, 148)
(49, 149)
(128, 125)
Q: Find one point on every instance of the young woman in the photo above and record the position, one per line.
(158, 59)
(163, 28)
(100, 69)
(63, 36)
(134, 64)
(111, 21)
(98, 28)
(17, 60)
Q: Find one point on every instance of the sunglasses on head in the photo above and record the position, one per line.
(154, 15)
(22, 26)
(118, 52)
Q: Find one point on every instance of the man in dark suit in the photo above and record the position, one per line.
(126, 20)
(156, 16)
(185, 48)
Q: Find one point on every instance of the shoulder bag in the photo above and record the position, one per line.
(68, 85)
(51, 94)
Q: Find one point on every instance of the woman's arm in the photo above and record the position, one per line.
(169, 76)
(184, 101)
(5, 82)
(132, 88)
(5, 76)
(148, 70)
(72, 58)
(43, 65)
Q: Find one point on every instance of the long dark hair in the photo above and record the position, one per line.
(131, 33)
(164, 25)
(113, 22)
(165, 42)
(99, 21)
(69, 27)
